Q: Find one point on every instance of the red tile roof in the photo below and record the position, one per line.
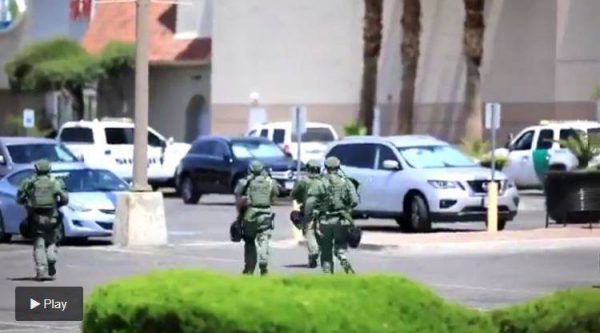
(116, 21)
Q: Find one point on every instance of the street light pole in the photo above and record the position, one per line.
(140, 141)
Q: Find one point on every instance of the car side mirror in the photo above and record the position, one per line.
(391, 165)
(170, 141)
(227, 158)
(81, 158)
(288, 154)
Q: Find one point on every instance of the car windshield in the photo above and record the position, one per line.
(315, 134)
(256, 149)
(435, 157)
(30, 153)
(91, 180)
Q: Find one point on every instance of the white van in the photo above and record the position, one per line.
(314, 141)
(108, 144)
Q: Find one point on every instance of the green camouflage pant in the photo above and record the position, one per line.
(334, 240)
(257, 237)
(44, 230)
(310, 233)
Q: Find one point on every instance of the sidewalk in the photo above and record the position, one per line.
(482, 242)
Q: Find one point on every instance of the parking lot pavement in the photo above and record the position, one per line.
(198, 237)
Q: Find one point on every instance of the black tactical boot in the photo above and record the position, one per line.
(263, 270)
(312, 260)
(347, 267)
(43, 276)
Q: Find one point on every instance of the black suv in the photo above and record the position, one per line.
(215, 164)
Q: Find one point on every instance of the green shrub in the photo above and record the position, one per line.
(354, 128)
(571, 311)
(197, 302)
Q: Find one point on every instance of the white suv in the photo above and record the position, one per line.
(536, 149)
(314, 141)
(418, 180)
(108, 144)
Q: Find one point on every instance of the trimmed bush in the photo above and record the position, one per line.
(571, 311)
(196, 302)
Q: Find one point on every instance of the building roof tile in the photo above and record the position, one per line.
(116, 22)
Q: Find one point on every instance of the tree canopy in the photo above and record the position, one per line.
(64, 63)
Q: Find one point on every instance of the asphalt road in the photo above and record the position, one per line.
(198, 237)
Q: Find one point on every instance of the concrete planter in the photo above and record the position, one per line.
(573, 196)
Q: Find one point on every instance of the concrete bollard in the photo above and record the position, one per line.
(140, 220)
(492, 209)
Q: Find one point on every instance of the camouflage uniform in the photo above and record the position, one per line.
(257, 191)
(331, 201)
(42, 195)
(300, 194)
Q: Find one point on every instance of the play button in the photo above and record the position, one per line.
(33, 304)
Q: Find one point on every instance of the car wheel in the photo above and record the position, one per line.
(417, 216)
(4, 237)
(189, 193)
(501, 224)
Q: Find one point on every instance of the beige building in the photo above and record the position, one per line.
(541, 61)
(179, 55)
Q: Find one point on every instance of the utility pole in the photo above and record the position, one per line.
(140, 141)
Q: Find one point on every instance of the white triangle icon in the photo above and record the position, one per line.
(33, 304)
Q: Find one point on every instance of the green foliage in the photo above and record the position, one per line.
(596, 94)
(13, 8)
(116, 58)
(51, 65)
(474, 148)
(196, 302)
(584, 146)
(501, 161)
(354, 128)
(572, 311)
(15, 127)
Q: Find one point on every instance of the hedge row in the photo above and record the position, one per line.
(196, 302)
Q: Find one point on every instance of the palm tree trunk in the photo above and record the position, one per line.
(411, 31)
(473, 47)
(371, 49)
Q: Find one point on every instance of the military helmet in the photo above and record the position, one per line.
(256, 167)
(313, 166)
(332, 163)
(42, 166)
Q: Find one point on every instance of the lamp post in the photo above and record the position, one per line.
(140, 141)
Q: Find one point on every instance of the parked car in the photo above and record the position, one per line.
(215, 164)
(419, 180)
(108, 143)
(536, 149)
(22, 152)
(92, 202)
(314, 140)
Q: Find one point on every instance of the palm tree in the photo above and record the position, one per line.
(473, 47)
(371, 49)
(411, 32)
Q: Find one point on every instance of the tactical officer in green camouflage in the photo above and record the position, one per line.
(331, 201)
(300, 194)
(255, 194)
(42, 195)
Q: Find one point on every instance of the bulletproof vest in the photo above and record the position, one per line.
(42, 193)
(336, 188)
(259, 192)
